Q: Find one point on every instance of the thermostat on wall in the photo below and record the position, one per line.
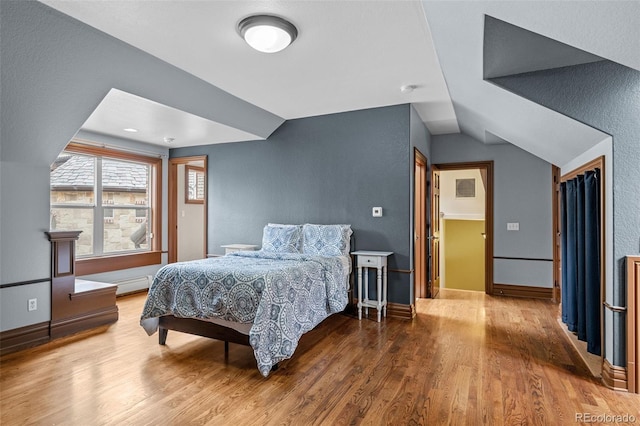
(377, 212)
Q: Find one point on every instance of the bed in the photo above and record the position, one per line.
(266, 299)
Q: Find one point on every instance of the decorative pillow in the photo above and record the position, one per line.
(326, 240)
(282, 238)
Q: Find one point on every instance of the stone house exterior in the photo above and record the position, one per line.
(125, 202)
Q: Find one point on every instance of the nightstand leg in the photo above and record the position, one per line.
(379, 290)
(359, 293)
(366, 289)
(384, 291)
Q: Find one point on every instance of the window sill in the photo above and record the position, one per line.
(114, 263)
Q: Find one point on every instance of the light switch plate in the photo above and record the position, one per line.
(513, 226)
(376, 212)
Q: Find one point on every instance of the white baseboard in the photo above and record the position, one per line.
(133, 284)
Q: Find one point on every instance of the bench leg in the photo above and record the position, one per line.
(162, 335)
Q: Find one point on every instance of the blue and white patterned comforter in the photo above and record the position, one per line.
(283, 295)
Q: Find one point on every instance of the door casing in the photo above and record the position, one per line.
(434, 238)
(557, 248)
(420, 247)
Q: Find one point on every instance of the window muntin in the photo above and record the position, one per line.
(114, 206)
(126, 195)
(194, 185)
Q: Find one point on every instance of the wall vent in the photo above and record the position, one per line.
(465, 188)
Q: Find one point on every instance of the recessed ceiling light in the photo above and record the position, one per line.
(267, 33)
(169, 140)
(130, 130)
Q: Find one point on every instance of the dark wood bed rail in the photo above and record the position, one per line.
(199, 328)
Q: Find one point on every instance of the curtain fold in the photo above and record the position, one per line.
(569, 258)
(593, 296)
(581, 297)
(581, 292)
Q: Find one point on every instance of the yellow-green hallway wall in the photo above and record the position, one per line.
(464, 254)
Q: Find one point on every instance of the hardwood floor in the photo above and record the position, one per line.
(465, 359)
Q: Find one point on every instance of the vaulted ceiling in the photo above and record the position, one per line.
(356, 55)
(482, 39)
(348, 56)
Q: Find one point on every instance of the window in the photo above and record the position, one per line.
(194, 181)
(113, 198)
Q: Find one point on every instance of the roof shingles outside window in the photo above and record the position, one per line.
(77, 171)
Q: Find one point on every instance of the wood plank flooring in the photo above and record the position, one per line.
(466, 358)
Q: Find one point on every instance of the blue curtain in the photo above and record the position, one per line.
(593, 296)
(580, 220)
(580, 258)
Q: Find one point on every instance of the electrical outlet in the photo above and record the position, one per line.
(33, 304)
(376, 212)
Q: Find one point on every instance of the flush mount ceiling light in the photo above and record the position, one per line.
(267, 33)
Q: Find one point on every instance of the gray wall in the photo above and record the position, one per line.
(327, 169)
(55, 71)
(420, 139)
(509, 50)
(604, 95)
(522, 193)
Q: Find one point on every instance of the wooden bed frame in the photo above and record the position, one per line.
(200, 328)
(204, 329)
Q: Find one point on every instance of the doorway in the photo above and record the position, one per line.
(187, 208)
(462, 230)
(579, 261)
(421, 250)
(481, 234)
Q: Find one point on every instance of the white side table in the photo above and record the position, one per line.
(230, 248)
(378, 260)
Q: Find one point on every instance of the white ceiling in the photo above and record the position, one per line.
(352, 55)
(608, 29)
(154, 122)
(349, 55)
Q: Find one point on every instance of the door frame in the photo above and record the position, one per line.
(434, 234)
(173, 204)
(557, 233)
(486, 170)
(420, 210)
